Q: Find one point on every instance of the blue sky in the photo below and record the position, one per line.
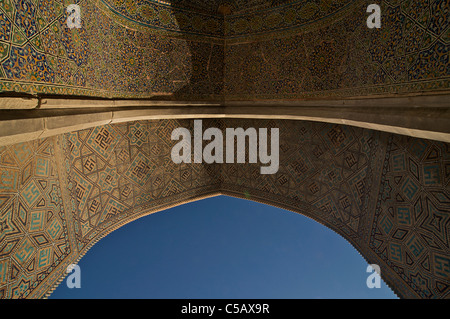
(219, 248)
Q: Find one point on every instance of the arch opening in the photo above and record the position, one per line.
(223, 247)
(384, 193)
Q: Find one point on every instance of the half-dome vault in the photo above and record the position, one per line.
(218, 50)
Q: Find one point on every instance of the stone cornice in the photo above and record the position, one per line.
(422, 116)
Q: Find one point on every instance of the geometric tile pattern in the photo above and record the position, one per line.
(323, 173)
(40, 54)
(231, 19)
(121, 168)
(387, 194)
(345, 58)
(197, 50)
(34, 237)
(411, 228)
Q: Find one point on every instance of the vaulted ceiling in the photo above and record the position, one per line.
(226, 19)
(191, 50)
(217, 7)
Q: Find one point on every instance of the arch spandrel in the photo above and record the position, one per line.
(384, 193)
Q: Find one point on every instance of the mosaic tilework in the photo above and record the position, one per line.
(219, 19)
(158, 15)
(34, 237)
(324, 171)
(388, 195)
(39, 54)
(189, 51)
(411, 224)
(217, 6)
(327, 172)
(408, 53)
(130, 170)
